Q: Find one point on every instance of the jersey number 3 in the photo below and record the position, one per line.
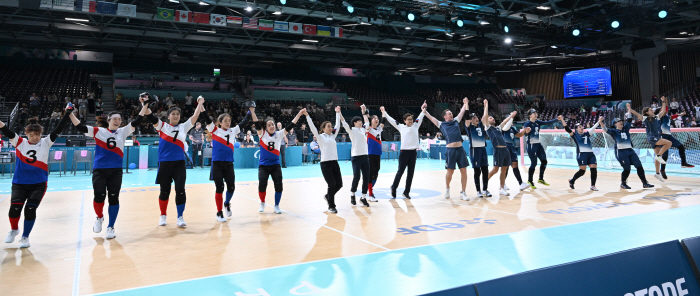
(32, 155)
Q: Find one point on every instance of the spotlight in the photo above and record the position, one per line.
(508, 40)
(553, 46)
(203, 3)
(615, 24)
(506, 29)
(663, 14)
(329, 18)
(411, 16)
(460, 23)
(278, 12)
(283, 2)
(544, 7)
(407, 28)
(576, 32)
(351, 9)
(248, 8)
(482, 22)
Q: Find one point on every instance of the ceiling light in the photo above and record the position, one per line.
(411, 16)
(683, 33)
(506, 29)
(408, 27)
(615, 24)
(277, 12)
(248, 8)
(174, 1)
(553, 46)
(310, 40)
(77, 20)
(523, 60)
(329, 18)
(203, 3)
(396, 48)
(351, 9)
(482, 22)
(283, 2)
(205, 31)
(663, 14)
(576, 32)
(460, 23)
(508, 40)
(544, 7)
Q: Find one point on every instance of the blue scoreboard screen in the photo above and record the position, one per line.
(588, 82)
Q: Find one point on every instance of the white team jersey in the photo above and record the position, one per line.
(109, 150)
(172, 140)
(31, 166)
(269, 147)
(222, 142)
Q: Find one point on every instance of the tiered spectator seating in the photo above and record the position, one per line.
(17, 83)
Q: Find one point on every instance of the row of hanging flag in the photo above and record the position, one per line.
(194, 17)
(246, 22)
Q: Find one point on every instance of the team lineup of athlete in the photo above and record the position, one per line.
(29, 183)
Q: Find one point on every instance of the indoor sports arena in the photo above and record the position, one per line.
(357, 147)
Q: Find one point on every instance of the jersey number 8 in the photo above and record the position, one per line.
(270, 146)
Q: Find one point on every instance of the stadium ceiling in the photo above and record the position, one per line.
(376, 34)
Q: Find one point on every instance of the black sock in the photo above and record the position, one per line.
(594, 176)
(663, 166)
(625, 174)
(681, 152)
(640, 173)
(516, 172)
(485, 177)
(477, 175)
(578, 174)
(530, 173)
(542, 168)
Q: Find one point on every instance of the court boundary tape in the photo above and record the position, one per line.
(78, 251)
(394, 250)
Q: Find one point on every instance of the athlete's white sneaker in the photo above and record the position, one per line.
(220, 217)
(506, 187)
(447, 193)
(593, 188)
(181, 222)
(479, 194)
(372, 198)
(162, 220)
(110, 233)
(11, 236)
(503, 191)
(463, 196)
(487, 193)
(659, 177)
(98, 225)
(277, 210)
(524, 186)
(262, 207)
(227, 210)
(24, 242)
(660, 159)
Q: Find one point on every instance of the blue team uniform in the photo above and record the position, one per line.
(666, 133)
(510, 138)
(501, 155)
(584, 149)
(477, 141)
(532, 141)
(653, 130)
(624, 151)
(454, 156)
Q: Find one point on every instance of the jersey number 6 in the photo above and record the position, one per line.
(111, 143)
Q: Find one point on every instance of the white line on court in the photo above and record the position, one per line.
(76, 270)
(4, 197)
(312, 221)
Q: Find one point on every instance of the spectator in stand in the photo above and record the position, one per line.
(83, 108)
(160, 83)
(291, 138)
(674, 106)
(119, 96)
(693, 122)
(278, 83)
(342, 138)
(99, 91)
(99, 107)
(197, 138)
(594, 111)
(23, 115)
(34, 104)
(169, 101)
(153, 82)
(188, 102)
(303, 133)
(136, 142)
(677, 120)
(55, 117)
(654, 98)
(248, 142)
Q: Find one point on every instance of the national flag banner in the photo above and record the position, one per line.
(183, 16)
(323, 31)
(234, 21)
(126, 10)
(296, 28)
(217, 20)
(64, 4)
(266, 25)
(106, 8)
(165, 14)
(309, 29)
(200, 18)
(337, 32)
(85, 5)
(46, 4)
(281, 26)
(250, 23)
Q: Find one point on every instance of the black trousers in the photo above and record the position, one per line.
(360, 164)
(375, 163)
(266, 171)
(282, 149)
(222, 171)
(331, 173)
(407, 158)
(169, 171)
(32, 194)
(107, 181)
(196, 158)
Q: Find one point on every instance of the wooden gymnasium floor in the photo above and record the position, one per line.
(395, 247)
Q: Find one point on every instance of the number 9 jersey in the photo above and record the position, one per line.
(109, 150)
(269, 147)
(172, 140)
(31, 167)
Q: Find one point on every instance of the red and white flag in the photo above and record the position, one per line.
(183, 16)
(309, 29)
(296, 28)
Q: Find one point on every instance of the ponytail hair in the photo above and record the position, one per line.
(33, 126)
